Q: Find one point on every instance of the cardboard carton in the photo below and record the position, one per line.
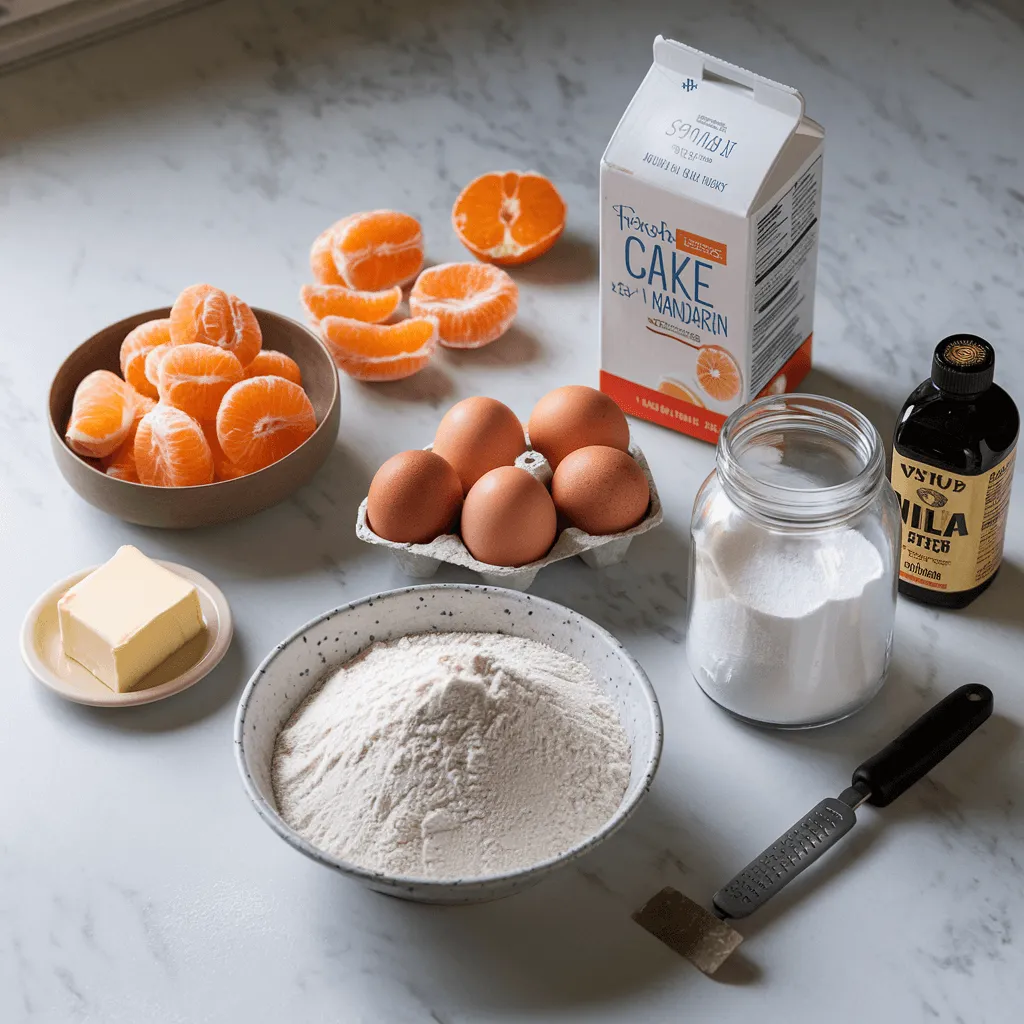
(710, 202)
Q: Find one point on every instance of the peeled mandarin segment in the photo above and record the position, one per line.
(262, 420)
(138, 343)
(121, 464)
(509, 217)
(377, 352)
(102, 411)
(223, 467)
(321, 257)
(143, 404)
(717, 373)
(320, 300)
(151, 368)
(376, 250)
(474, 303)
(274, 364)
(209, 316)
(171, 449)
(194, 378)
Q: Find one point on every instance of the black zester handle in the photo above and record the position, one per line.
(919, 748)
(803, 844)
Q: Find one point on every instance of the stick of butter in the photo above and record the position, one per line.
(126, 617)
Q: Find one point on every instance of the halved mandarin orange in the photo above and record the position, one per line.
(138, 343)
(509, 217)
(674, 389)
(171, 449)
(102, 411)
(121, 464)
(274, 364)
(376, 352)
(263, 419)
(717, 373)
(320, 300)
(195, 377)
(474, 302)
(369, 251)
(202, 313)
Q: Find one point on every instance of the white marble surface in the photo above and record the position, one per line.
(136, 884)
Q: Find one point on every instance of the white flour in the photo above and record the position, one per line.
(452, 755)
(789, 630)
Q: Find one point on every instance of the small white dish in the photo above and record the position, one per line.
(42, 652)
(298, 664)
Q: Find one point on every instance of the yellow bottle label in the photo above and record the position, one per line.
(953, 526)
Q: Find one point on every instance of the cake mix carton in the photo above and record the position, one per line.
(710, 201)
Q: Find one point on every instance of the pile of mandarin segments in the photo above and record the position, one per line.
(200, 399)
(361, 263)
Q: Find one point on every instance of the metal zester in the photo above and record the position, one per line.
(707, 939)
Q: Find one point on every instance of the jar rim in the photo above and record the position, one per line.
(810, 506)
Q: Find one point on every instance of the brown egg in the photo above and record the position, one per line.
(414, 497)
(478, 435)
(508, 518)
(574, 417)
(601, 490)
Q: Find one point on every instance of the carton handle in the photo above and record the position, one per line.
(685, 60)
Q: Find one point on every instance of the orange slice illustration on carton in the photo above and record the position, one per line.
(378, 352)
(717, 373)
(672, 388)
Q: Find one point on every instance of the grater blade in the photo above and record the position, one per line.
(688, 929)
(803, 844)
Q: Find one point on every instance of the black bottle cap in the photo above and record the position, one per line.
(963, 364)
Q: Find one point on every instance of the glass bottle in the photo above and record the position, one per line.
(952, 464)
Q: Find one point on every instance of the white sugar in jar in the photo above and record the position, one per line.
(793, 564)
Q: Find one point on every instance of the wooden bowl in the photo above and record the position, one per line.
(186, 507)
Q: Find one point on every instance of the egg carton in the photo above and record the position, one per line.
(422, 561)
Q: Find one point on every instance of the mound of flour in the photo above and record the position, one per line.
(452, 755)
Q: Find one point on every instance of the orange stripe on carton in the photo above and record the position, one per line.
(698, 245)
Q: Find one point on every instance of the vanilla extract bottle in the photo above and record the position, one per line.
(952, 464)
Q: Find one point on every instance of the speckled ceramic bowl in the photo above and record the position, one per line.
(295, 666)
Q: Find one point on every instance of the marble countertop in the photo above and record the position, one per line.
(136, 883)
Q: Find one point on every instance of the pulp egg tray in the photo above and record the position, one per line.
(422, 560)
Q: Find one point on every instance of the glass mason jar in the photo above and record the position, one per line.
(793, 564)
